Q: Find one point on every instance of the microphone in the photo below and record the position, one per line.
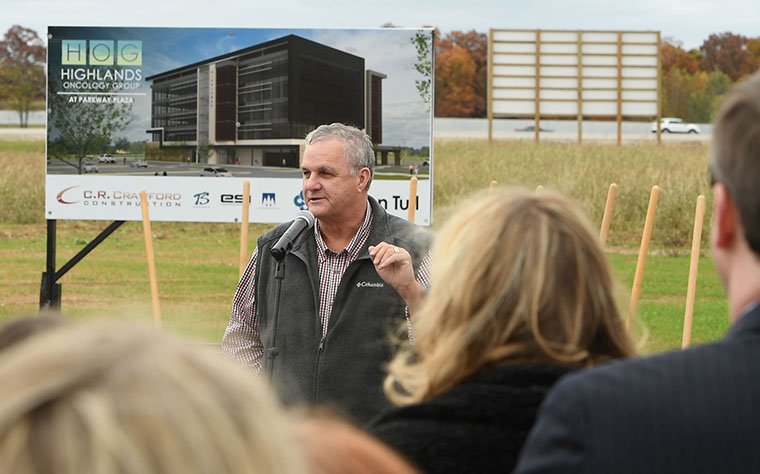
(303, 222)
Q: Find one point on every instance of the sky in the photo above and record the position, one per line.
(687, 21)
(406, 117)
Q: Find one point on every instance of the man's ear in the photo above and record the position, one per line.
(364, 176)
(725, 217)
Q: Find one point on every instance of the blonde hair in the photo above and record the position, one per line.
(115, 398)
(518, 277)
(22, 328)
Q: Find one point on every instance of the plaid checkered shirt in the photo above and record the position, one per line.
(242, 339)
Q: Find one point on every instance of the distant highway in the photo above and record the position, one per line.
(456, 128)
(473, 128)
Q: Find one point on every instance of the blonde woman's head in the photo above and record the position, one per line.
(518, 277)
(115, 398)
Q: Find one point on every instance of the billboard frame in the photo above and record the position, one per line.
(581, 50)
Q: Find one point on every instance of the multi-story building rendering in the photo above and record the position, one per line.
(254, 106)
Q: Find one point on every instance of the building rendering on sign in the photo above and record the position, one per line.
(254, 106)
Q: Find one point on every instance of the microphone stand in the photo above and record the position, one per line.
(303, 222)
(272, 352)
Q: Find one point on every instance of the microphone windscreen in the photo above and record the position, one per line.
(307, 216)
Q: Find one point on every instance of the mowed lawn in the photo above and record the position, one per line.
(197, 264)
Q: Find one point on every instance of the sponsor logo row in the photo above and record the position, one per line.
(89, 197)
(266, 200)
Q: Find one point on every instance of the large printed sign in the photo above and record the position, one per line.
(189, 114)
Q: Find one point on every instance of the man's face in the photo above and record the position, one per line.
(330, 189)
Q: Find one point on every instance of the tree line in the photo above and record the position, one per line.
(693, 81)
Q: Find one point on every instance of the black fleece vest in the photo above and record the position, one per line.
(345, 369)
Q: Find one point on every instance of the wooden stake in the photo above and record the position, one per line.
(654, 196)
(607, 218)
(659, 89)
(151, 259)
(412, 198)
(696, 242)
(537, 90)
(579, 84)
(620, 88)
(244, 220)
(489, 101)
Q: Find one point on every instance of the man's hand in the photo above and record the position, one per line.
(394, 265)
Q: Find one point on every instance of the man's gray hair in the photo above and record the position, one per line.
(359, 151)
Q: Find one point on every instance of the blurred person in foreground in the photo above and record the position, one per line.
(521, 295)
(333, 445)
(696, 410)
(24, 327)
(117, 398)
(347, 284)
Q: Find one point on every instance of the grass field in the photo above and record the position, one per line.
(197, 264)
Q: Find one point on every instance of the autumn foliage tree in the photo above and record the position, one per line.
(707, 90)
(695, 81)
(461, 70)
(753, 46)
(22, 70)
(673, 56)
(729, 53)
(454, 80)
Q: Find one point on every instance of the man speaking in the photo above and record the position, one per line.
(343, 285)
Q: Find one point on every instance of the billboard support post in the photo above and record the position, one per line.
(659, 88)
(50, 291)
(619, 88)
(579, 85)
(537, 90)
(489, 101)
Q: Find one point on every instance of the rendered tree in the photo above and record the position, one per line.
(424, 65)
(122, 143)
(22, 70)
(81, 128)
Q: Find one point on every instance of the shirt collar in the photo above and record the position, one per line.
(356, 243)
(748, 322)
